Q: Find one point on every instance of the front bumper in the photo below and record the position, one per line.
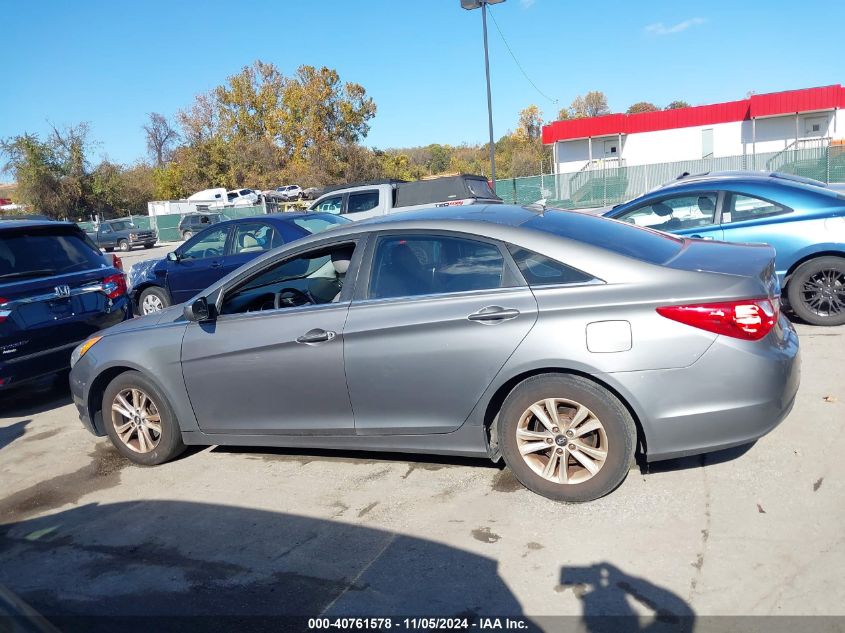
(81, 377)
(734, 394)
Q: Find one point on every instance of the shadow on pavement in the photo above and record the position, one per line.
(168, 565)
(606, 594)
(35, 398)
(9, 434)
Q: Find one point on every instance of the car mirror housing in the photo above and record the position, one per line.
(173, 256)
(199, 310)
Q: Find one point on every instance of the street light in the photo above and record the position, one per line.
(469, 5)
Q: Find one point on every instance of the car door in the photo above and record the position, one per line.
(263, 369)
(690, 213)
(105, 237)
(199, 263)
(436, 320)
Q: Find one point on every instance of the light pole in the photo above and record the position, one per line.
(469, 5)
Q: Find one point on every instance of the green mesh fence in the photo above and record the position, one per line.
(168, 225)
(612, 185)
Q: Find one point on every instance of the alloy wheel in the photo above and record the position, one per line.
(136, 420)
(562, 441)
(152, 303)
(823, 293)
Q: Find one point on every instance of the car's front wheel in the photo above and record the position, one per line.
(566, 437)
(139, 420)
(816, 291)
(123, 245)
(153, 299)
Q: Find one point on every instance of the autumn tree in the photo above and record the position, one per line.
(530, 124)
(677, 104)
(594, 103)
(161, 137)
(642, 106)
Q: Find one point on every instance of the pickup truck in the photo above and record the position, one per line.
(368, 200)
(121, 234)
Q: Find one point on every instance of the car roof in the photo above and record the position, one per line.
(18, 224)
(740, 175)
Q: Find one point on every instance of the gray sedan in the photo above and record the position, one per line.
(564, 343)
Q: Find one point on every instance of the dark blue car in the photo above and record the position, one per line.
(803, 219)
(56, 290)
(214, 253)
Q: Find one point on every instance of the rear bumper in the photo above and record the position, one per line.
(734, 394)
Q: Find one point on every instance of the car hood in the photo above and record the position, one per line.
(168, 315)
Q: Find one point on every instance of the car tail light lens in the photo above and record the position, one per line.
(4, 313)
(749, 319)
(114, 285)
(116, 262)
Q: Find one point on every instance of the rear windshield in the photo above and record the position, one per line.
(321, 223)
(480, 188)
(625, 239)
(42, 254)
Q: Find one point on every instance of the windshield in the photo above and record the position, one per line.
(320, 223)
(43, 254)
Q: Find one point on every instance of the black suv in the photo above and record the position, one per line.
(196, 222)
(56, 289)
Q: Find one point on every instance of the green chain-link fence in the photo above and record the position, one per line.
(611, 185)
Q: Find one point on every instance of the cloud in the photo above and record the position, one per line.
(658, 28)
(527, 4)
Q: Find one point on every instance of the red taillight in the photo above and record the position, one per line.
(116, 262)
(114, 285)
(4, 313)
(750, 319)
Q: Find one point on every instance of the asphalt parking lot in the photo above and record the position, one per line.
(272, 531)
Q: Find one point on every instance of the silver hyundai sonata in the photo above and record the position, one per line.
(560, 342)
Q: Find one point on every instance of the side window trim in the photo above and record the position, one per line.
(511, 277)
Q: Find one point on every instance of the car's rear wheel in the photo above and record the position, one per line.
(566, 437)
(139, 420)
(816, 291)
(153, 299)
(123, 245)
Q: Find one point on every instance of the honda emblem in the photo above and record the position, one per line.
(62, 292)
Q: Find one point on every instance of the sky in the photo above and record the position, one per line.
(111, 63)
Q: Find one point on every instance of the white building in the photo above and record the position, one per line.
(756, 128)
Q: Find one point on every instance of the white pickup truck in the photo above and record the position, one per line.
(370, 200)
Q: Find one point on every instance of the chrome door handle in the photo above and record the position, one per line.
(706, 237)
(494, 313)
(316, 336)
(216, 264)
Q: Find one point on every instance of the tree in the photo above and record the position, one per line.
(530, 124)
(564, 114)
(594, 103)
(677, 104)
(161, 138)
(642, 106)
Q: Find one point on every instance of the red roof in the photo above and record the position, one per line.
(772, 104)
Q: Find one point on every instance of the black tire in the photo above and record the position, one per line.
(123, 245)
(618, 426)
(169, 444)
(153, 291)
(148, 245)
(186, 235)
(825, 306)
(108, 249)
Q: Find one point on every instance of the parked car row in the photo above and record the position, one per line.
(803, 219)
(121, 234)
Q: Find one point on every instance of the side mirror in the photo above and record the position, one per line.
(199, 310)
(173, 256)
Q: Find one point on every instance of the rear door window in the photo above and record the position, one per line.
(743, 207)
(362, 201)
(416, 265)
(254, 237)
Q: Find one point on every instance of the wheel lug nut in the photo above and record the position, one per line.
(548, 440)
(559, 451)
(569, 433)
(555, 429)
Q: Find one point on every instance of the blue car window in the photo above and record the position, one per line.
(742, 207)
(210, 244)
(670, 214)
(252, 237)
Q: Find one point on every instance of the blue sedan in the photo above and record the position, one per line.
(803, 219)
(214, 253)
